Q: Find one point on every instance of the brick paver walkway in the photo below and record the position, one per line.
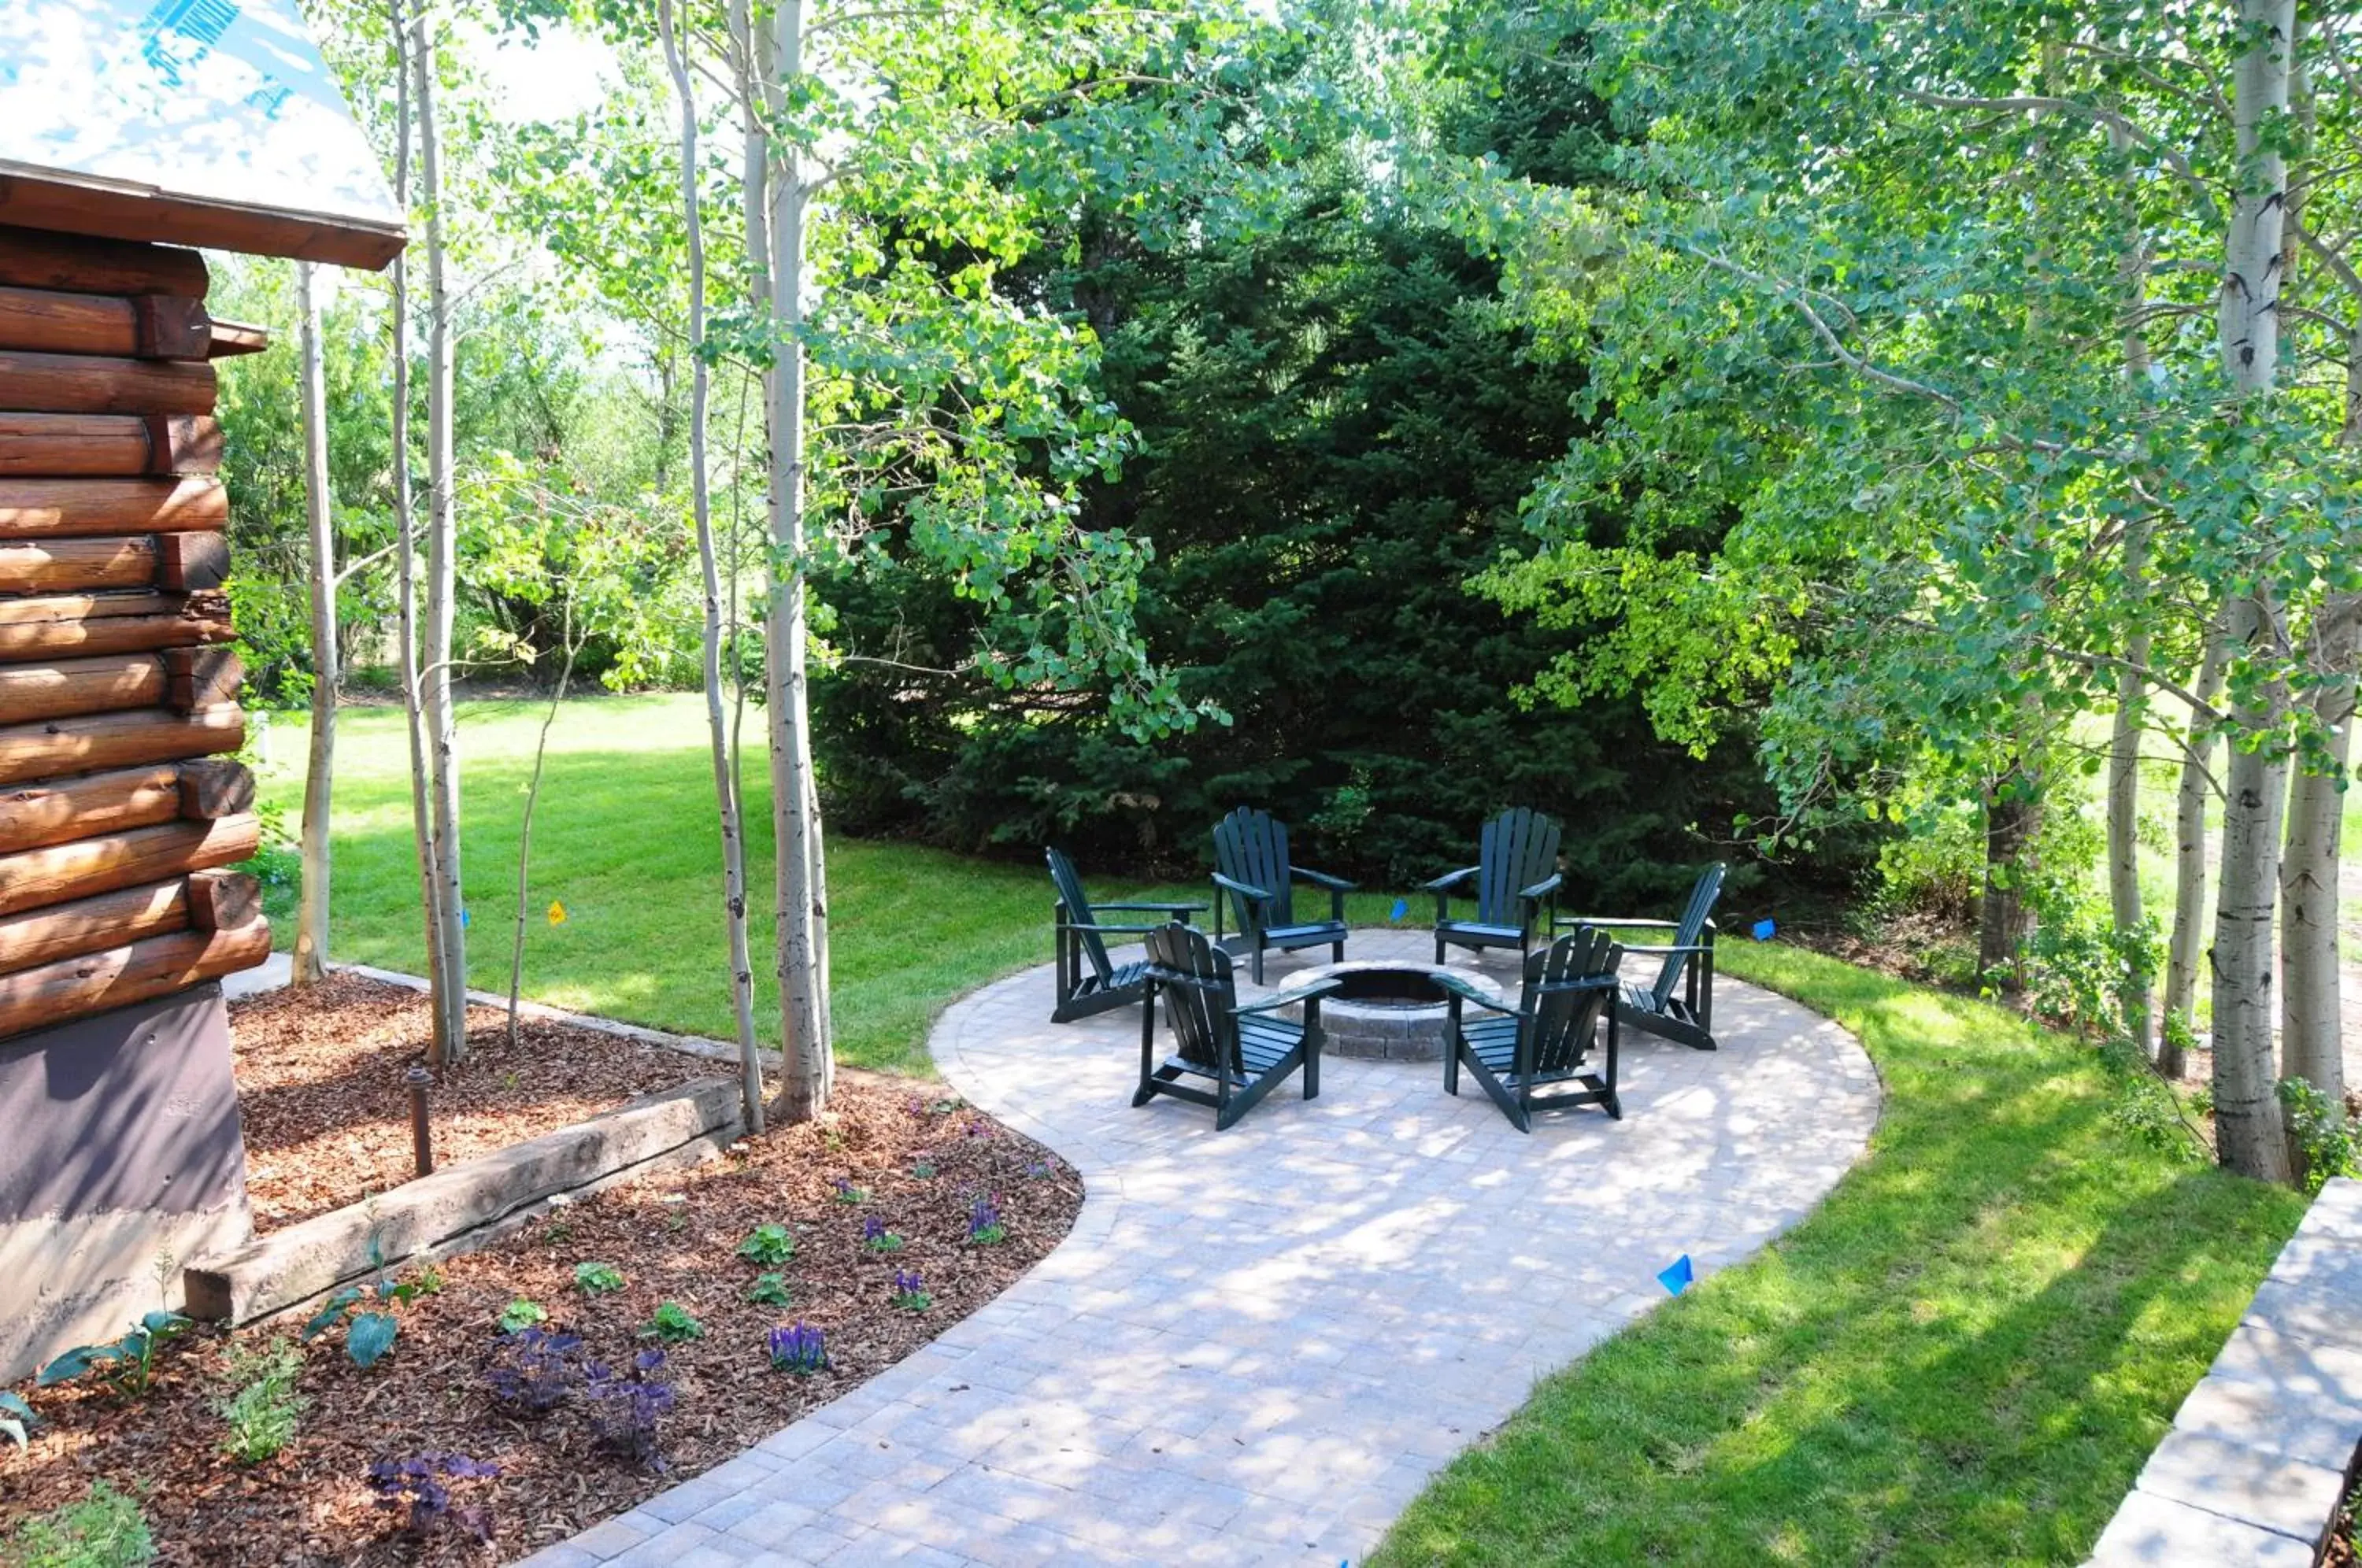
(1256, 1347)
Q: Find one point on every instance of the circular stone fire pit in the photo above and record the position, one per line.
(1387, 1008)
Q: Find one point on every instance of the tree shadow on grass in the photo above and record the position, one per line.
(1963, 1357)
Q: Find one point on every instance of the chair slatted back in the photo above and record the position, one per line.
(1199, 990)
(1563, 1023)
(1250, 847)
(1062, 876)
(1703, 895)
(1518, 848)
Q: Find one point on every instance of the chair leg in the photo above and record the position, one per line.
(1336, 953)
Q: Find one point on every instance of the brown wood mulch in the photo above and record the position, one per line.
(674, 1237)
(326, 1113)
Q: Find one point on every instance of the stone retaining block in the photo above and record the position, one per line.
(433, 1212)
(2260, 1452)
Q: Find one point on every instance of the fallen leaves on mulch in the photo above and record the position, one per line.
(674, 1237)
(2344, 1549)
(326, 1113)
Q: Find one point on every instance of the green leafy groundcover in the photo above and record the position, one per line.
(1963, 1357)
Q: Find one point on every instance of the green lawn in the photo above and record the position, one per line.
(1964, 1356)
(626, 839)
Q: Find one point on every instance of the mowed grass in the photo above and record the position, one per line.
(625, 838)
(1963, 1357)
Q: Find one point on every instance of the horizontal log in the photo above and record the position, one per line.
(113, 634)
(96, 383)
(223, 901)
(145, 327)
(215, 787)
(86, 925)
(32, 815)
(51, 608)
(36, 878)
(188, 563)
(117, 977)
(230, 337)
(200, 677)
(51, 565)
(57, 508)
(73, 445)
(30, 692)
(43, 258)
(56, 746)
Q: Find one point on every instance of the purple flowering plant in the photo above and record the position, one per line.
(419, 1486)
(910, 1291)
(800, 1349)
(538, 1372)
(984, 1223)
(630, 1407)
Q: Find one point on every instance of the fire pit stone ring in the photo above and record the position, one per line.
(1388, 1010)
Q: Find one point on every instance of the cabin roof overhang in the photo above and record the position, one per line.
(211, 123)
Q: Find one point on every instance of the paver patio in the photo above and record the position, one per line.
(1255, 1347)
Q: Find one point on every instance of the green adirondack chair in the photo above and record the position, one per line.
(1082, 942)
(1245, 1051)
(1523, 1055)
(1515, 881)
(1251, 865)
(1688, 967)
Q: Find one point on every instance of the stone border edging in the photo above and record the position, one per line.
(2260, 1453)
(459, 1204)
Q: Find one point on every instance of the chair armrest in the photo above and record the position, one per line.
(1544, 888)
(1111, 930)
(1577, 983)
(1242, 889)
(1169, 909)
(1335, 883)
(1467, 992)
(1288, 998)
(1619, 922)
(1447, 879)
(1662, 952)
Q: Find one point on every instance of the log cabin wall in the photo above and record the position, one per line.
(119, 813)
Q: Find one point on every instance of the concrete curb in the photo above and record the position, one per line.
(2261, 1451)
(461, 1204)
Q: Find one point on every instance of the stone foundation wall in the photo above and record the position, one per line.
(120, 1160)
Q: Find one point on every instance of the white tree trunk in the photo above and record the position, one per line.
(2123, 802)
(319, 775)
(524, 827)
(726, 781)
(2182, 948)
(807, 1066)
(406, 561)
(442, 568)
(2249, 1127)
(2312, 1007)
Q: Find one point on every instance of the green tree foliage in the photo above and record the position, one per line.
(1335, 426)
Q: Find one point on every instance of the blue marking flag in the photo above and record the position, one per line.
(463, 920)
(1678, 1276)
(1402, 908)
(1764, 929)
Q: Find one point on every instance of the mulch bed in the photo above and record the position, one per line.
(674, 1237)
(2343, 1548)
(327, 1115)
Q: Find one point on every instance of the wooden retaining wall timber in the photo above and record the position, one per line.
(118, 816)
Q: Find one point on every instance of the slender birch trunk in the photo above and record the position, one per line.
(2249, 1127)
(406, 564)
(319, 775)
(2183, 952)
(525, 828)
(442, 568)
(807, 1068)
(725, 784)
(2312, 1008)
(2132, 688)
(2012, 822)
